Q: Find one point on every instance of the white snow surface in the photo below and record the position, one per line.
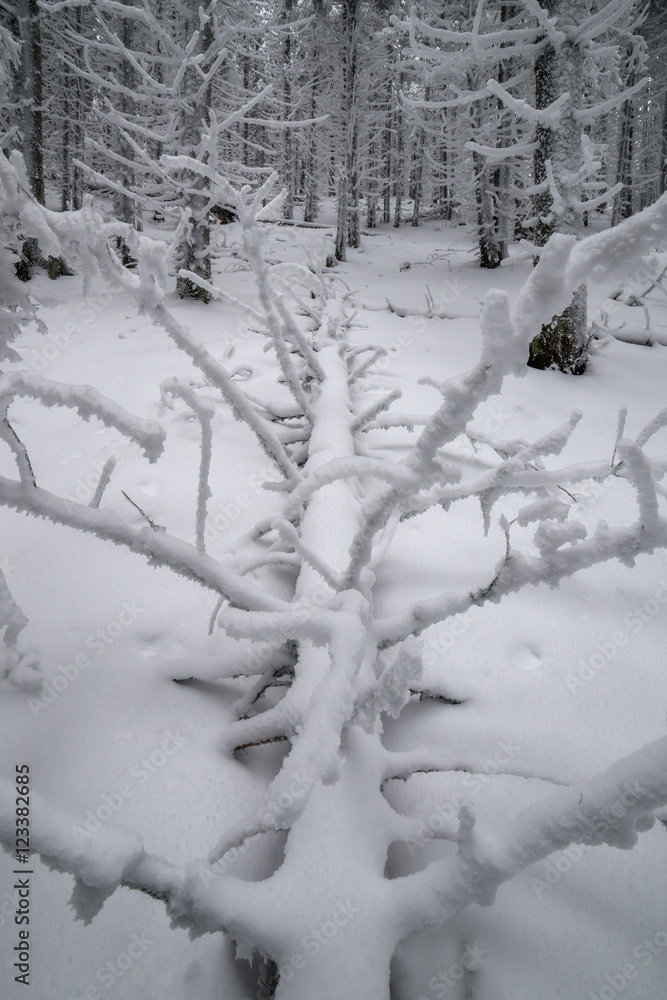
(556, 684)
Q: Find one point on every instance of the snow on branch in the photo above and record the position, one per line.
(204, 411)
(597, 23)
(498, 153)
(612, 251)
(553, 564)
(587, 115)
(160, 548)
(88, 402)
(114, 857)
(611, 808)
(548, 117)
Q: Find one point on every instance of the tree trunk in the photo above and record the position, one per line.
(194, 252)
(418, 171)
(505, 209)
(562, 343)
(341, 220)
(386, 197)
(443, 199)
(663, 159)
(347, 232)
(623, 200)
(505, 199)
(311, 184)
(288, 136)
(31, 70)
(399, 168)
(65, 156)
(125, 206)
(490, 251)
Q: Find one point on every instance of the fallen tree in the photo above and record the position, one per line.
(341, 670)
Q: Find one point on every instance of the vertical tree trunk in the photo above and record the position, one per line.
(31, 74)
(125, 206)
(505, 199)
(399, 167)
(372, 197)
(562, 343)
(623, 200)
(443, 198)
(288, 135)
(386, 198)
(663, 159)
(311, 192)
(418, 168)
(65, 156)
(341, 217)
(490, 252)
(311, 198)
(347, 231)
(505, 209)
(194, 252)
(353, 133)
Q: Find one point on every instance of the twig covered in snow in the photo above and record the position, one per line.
(204, 411)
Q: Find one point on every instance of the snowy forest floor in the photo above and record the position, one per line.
(560, 682)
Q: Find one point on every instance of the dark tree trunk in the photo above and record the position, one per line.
(623, 201)
(386, 197)
(418, 170)
(562, 343)
(347, 231)
(399, 169)
(31, 63)
(663, 161)
(194, 252)
(288, 137)
(490, 251)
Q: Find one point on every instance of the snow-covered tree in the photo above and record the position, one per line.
(558, 42)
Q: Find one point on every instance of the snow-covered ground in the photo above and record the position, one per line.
(555, 684)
